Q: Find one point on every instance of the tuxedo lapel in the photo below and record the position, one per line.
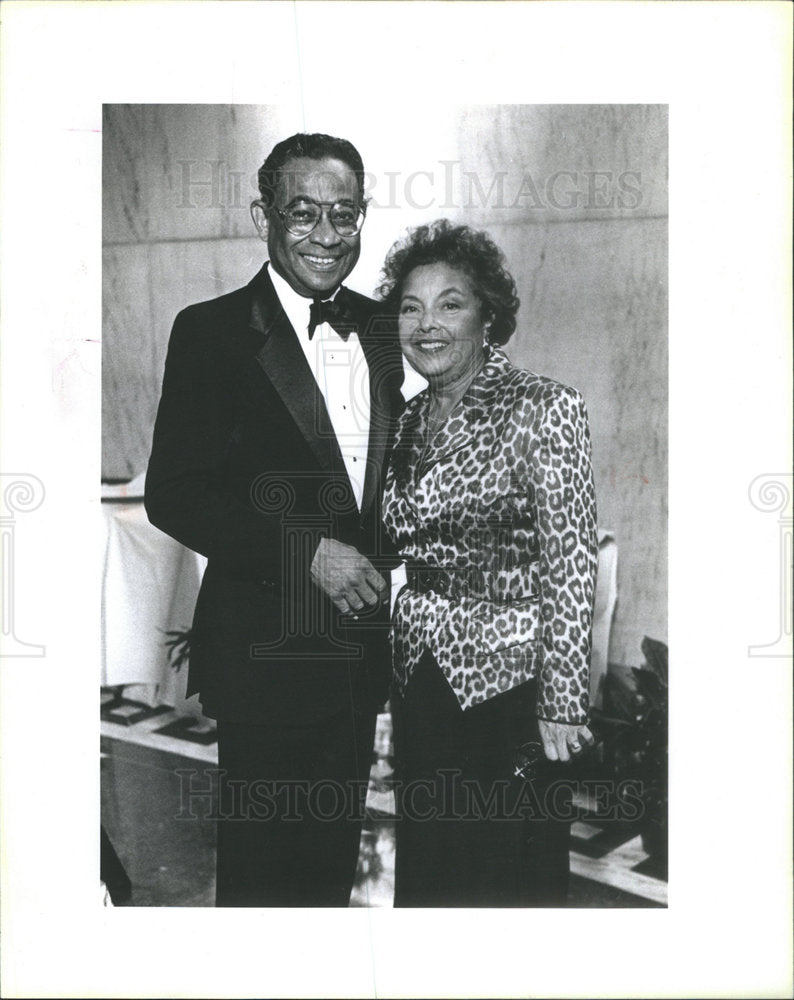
(382, 397)
(284, 364)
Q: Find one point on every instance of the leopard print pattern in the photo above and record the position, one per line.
(496, 520)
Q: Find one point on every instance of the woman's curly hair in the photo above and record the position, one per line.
(469, 250)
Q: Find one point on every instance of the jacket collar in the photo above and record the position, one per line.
(281, 359)
(266, 311)
(267, 308)
(283, 362)
(468, 419)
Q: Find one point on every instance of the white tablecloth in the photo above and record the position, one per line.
(150, 585)
(605, 598)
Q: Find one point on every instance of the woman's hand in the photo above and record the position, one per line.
(562, 741)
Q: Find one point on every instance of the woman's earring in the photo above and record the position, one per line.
(486, 340)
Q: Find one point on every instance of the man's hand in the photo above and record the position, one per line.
(347, 577)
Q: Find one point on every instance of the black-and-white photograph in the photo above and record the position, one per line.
(384, 464)
(395, 499)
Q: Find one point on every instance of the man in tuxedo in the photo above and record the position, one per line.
(271, 437)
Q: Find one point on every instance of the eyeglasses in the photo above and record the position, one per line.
(303, 216)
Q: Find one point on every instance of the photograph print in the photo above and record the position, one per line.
(384, 494)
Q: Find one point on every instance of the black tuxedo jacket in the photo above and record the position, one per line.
(245, 469)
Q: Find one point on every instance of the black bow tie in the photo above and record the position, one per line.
(334, 312)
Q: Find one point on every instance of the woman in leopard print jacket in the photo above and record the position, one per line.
(489, 498)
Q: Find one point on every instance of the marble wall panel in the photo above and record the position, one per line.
(594, 315)
(129, 357)
(183, 273)
(144, 287)
(182, 171)
(189, 171)
(566, 162)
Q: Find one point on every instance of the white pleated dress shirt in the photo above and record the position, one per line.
(342, 374)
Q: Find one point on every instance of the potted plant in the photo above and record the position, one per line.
(633, 728)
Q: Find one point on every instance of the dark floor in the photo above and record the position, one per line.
(170, 860)
(157, 808)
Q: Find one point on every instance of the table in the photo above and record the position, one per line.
(149, 587)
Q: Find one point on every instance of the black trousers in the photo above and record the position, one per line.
(469, 833)
(291, 809)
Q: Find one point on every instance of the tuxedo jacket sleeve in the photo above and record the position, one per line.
(497, 522)
(188, 494)
(233, 511)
